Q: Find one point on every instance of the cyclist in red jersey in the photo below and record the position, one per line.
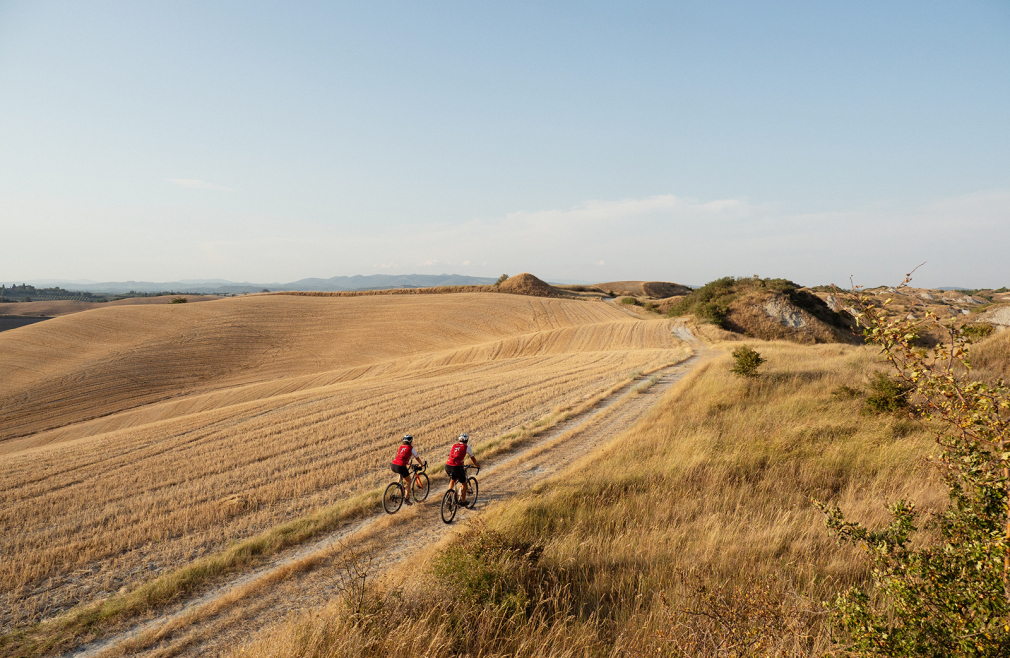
(454, 465)
(401, 461)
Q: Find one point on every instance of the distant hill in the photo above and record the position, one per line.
(653, 289)
(220, 286)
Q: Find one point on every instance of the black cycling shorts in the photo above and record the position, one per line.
(400, 469)
(457, 473)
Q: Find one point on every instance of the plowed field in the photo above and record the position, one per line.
(136, 439)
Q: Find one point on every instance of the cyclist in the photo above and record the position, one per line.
(454, 465)
(401, 461)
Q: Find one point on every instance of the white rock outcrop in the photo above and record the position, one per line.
(784, 312)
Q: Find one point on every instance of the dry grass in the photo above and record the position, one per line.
(990, 358)
(693, 530)
(650, 289)
(55, 308)
(155, 437)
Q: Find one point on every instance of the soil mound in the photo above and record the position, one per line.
(998, 316)
(773, 316)
(652, 289)
(527, 284)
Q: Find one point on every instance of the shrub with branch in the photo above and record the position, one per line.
(939, 583)
(747, 361)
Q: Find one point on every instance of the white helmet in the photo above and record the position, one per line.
(408, 439)
(464, 438)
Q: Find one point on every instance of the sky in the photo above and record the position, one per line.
(591, 142)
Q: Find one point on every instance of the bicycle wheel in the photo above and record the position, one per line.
(449, 506)
(421, 487)
(471, 492)
(392, 498)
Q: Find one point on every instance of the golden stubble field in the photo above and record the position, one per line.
(137, 439)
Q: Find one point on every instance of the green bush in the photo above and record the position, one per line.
(747, 361)
(179, 300)
(978, 331)
(887, 394)
(490, 568)
(501, 279)
(844, 391)
(629, 300)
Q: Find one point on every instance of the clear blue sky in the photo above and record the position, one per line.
(680, 141)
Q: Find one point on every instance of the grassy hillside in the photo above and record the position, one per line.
(695, 530)
(57, 307)
(143, 438)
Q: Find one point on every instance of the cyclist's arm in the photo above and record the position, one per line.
(416, 455)
(469, 453)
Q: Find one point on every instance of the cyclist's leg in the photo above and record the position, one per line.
(462, 501)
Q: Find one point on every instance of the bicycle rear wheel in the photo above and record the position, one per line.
(449, 506)
(421, 487)
(471, 492)
(392, 498)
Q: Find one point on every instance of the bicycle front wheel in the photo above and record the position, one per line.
(392, 498)
(421, 487)
(449, 506)
(471, 492)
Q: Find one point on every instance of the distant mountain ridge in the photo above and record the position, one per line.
(220, 286)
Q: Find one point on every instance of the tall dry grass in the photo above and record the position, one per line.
(306, 426)
(990, 358)
(691, 534)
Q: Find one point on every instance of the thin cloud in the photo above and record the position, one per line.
(615, 211)
(199, 184)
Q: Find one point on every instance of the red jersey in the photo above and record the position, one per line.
(457, 453)
(403, 454)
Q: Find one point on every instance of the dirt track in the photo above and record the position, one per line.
(307, 577)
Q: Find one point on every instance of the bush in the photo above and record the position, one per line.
(490, 568)
(501, 279)
(179, 300)
(978, 331)
(887, 394)
(844, 391)
(629, 300)
(747, 361)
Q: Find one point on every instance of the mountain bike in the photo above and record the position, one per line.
(450, 501)
(393, 497)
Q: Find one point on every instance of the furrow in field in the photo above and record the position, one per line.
(217, 621)
(108, 503)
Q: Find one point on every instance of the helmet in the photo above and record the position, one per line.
(408, 439)
(464, 438)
